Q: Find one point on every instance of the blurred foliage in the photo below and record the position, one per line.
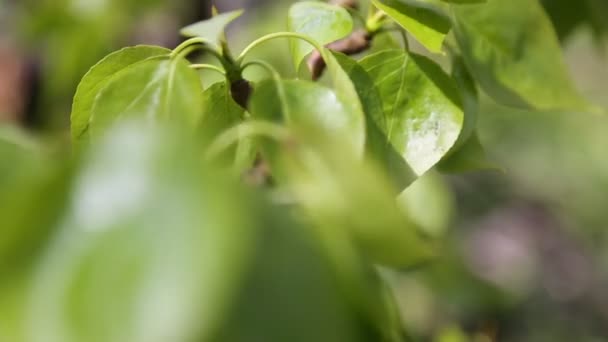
(524, 259)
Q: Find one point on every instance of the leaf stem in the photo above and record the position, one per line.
(194, 44)
(375, 22)
(272, 36)
(208, 67)
(267, 66)
(246, 130)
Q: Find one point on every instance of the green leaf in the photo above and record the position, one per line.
(211, 29)
(220, 113)
(313, 111)
(341, 196)
(260, 313)
(97, 78)
(423, 114)
(158, 89)
(32, 198)
(471, 156)
(323, 22)
(470, 99)
(430, 203)
(378, 148)
(423, 20)
(335, 187)
(513, 52)
(347, 93)
(153, 248)
(464, 1)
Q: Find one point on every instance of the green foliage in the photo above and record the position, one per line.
(263, 211)
(211, 30)
(322, 22)
(514, 54)
(428, 25)
(422, 111)
(98, 77)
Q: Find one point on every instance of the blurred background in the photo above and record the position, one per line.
(526, 256)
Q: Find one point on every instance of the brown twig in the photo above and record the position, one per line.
(345, 3)
(357, 42)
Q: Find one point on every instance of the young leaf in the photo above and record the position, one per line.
(158, 89)
(333, 185)
(97, 78)
(211, 29)
(323, 22)
(220, 113)
(313, 111)
(378, 148)
(425, 22)
(423, 113)
(513, 52)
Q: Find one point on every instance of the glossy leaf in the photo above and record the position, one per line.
(211, 29)
(97, 78)
(513, 52)
(158, 89)
(378, 148)
(313, 111)
(323, 22)
(153, 248)
(334, 186)
(425, 22)
(423, 114)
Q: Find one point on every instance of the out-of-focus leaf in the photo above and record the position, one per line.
(464, 1)
(293, 292)
(32, 197)
(423, 114)
(323, 22)
(157, 89)
(425, 22)
(512, 50)
(211, 29)
(471, 156)
(470, 100)
(33, 192)
(347, 93)
(152, 250)
(567, 19)
(338, 193)
(429, 203)
(97, 78)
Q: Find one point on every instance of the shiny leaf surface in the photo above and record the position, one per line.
(97, 78)
(423, 114)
